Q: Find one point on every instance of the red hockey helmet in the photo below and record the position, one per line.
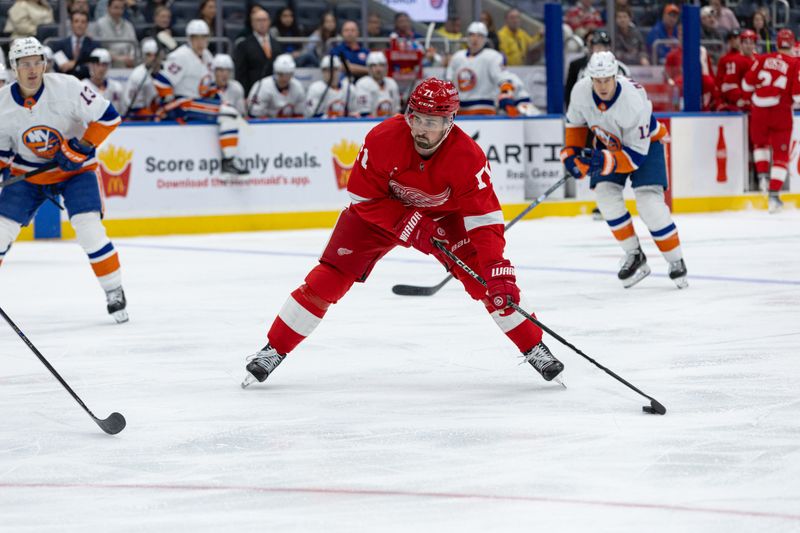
(434, 97)
(748, 35)
(785, 38)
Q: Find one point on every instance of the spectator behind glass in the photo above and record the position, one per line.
(404, 28)
(351, 51)
(515, 43)
(726, 20)
(630, 46)
(452, 32)
(254, 54)
(162, 21)
(375, 30)
(66, 59)
(286, 26)
(151, 6)
(113, 26)
(488, 21)
(207, 12)
(25, 16)
(708, 24)
(759, 23)
(666, 28)
(132, 11)
(317, 46)
(583, 17)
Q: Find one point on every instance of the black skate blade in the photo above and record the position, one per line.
(113, 424)
(654, 408)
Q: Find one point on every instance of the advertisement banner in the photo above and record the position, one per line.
(420, 10)
(171, 171)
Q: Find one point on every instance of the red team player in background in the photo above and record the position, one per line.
(773, 82)
(732, 67)
(417, 179)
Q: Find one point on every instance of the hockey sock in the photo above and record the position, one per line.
(654, 212)
(777, 177)
(761, 156)
(300, 315)
(612, 206)
(103, 257)
(228, 131)
(522, 332)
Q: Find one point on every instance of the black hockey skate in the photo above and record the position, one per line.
(261, 365)
(543, 361)
(115, 299)
(231, 169)
(634, 268)
(677, 273)
(774, 202)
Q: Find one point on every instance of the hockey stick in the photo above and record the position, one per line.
(327, 87)
(416, 290)
(22, 177)
(654, 408)
(350, 81)
(111, 425)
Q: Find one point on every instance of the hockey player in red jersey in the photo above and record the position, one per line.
(773, 83)
(417, 179)
(732, 67)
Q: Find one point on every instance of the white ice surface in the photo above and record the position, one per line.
(407, 414)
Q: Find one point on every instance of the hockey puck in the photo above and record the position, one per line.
(654, 408)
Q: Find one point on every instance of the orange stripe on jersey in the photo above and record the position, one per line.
(229, 142)
(198, 106)
(476, 112)
(625, 232)
(55, 175)
(660, 133)
(624, 164)
(164, 91)
(96, 133)
(576, 136)
(670, 243)
(106, 266)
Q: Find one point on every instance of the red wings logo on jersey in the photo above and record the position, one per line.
(467, 79)
(416, 197)
(609, 140)
(43, 141)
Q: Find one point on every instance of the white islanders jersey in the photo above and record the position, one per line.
(146, 95)
(625, 123)
(378, 99)
(32, 129)
(113, 91)
(233, 95)
(188, 74)
(335, 101)
(267, 100)
(477, 78)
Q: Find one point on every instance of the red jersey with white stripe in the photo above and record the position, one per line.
(730, 70)
(389, 178)
(772, 80)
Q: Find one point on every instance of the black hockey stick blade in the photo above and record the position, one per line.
(416, 290)
(111, 425)
(654, 408)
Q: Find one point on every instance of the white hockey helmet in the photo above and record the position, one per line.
(197, 27)
(25, 47)
(602, 65)
(376, 58)
(100, 55)
(149, 46)
(284, 64)
(326, 62)
(5, 75)
(223, 61)
(479, 28)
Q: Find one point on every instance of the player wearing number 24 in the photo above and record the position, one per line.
(417, 179)
(627, 146)
(54, 118)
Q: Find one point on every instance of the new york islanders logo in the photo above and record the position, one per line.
(466, 79)
(609, 140)
(43, 141)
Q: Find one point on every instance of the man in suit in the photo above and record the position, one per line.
(253, 55)
(72, 54)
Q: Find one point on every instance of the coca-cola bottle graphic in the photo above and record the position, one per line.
(722, 158)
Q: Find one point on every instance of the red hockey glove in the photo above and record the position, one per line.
(576, 161)
(602, 163)
(501, 284)
(73, 154)
(419, 231)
